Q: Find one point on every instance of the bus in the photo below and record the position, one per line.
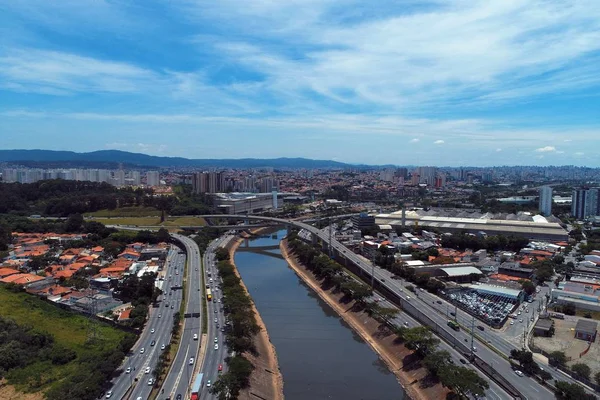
(208, 295)
(196, 387)
(454, 325)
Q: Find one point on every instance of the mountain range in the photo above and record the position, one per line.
(137, 159)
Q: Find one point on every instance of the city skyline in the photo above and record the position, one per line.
(445, 84)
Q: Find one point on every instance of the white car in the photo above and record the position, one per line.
(208, 383)
(216, 321)
(195, 336)
(109, 394)
(216, 347)
(162, 347)
(152, 330)
(147, 370)
(216, 340)
(150, 382)
(128, 370)
(519, 373)
(512, 322)
(192, 361)
(142, 350)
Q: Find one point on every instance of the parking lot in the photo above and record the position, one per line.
(492, 309)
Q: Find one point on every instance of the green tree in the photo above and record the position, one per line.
(569, 391)
(436, 360)
(463, 380)
(74, 223)
(557, 358)
(421, 339)
(582, 370)
(545, 375)
(528, 287)
(597, 377)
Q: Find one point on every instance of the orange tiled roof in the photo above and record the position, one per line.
(125, 314)
(7, 271)
(21, 279)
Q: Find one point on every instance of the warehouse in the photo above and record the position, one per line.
(460, 274)
(499, 291)
(550, 231)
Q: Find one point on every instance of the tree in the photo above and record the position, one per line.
(525, 359)
(597, 377)
(545, 375)
(557, 358)
(436, 360)
(569, 391)
(463, 380)
(73, 223)
(528, 287)
(420, 339)
(582, 370)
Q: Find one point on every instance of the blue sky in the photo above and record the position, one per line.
(457, 82)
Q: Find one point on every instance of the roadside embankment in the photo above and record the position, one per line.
(401, 361)
(266, 381)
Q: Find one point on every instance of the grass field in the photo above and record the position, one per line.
(126, 212)
(68, 329)
(153, 221)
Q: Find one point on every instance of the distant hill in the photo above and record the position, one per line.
(138, 159)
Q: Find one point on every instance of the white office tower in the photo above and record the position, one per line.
(274, 192)
(152, 178)
(545, 205)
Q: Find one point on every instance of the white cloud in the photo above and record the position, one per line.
(498, 149)
(579, 153)
(547, 149)
(415, 140)
(438, 142)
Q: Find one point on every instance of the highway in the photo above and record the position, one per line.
(216, 321)
(160, 320)
(181, 374)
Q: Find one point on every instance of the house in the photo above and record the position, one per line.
(586, 330)
(130, 255)
(543, 327)
(4, 272)
(125, 315)
(22, 279)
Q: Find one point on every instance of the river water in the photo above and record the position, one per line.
(319, 355)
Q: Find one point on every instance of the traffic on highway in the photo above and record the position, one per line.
(137, 378)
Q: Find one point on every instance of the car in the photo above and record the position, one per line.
(215, 310)
(208, 383)
(178, 396)
(519, 373)
(407, 297)
(382, 280)
(109, 394)
(128, 370)
(153, 343)
(218, 300)
(512, 321)
(159, 315)
(439, 301)
(453, 313)
(150, 382)
(171, 307)
(152, 330)
(216, 321)
(521, 320)
(216, 347)
(191, 361)
(216, 340)
(139, 398)
(462, 361)
(195, 336)
(406, 323)
(474, 349)
(481, 328)
(220, 368)
(163, 347)
(142, 350)
(222, 329)
(167, 304)
(147, 370)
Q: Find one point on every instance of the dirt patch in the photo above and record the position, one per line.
(8, 392)
(564, 340)
(266, 381)
(401, 361)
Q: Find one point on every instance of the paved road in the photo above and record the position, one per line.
(216, 320)
(161, 320)
(180, 376)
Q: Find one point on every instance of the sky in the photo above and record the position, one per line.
(447, 83)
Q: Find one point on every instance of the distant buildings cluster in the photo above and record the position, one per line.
(118, 177)
(219, 182)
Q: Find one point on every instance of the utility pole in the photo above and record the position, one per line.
(472, 334)
(373, 271)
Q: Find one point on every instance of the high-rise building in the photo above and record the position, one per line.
(427, 175)
(208, 182)
(545, 205)
(152, 178)
(585, 203)
(266, 185)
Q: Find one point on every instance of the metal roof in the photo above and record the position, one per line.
(461, 271)
(586, 326)
(495, 290)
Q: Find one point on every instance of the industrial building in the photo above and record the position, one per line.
(243, 203)
(586, 330)
(499, 291)
(531, 228)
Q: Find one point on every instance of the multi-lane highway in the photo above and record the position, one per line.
(181, 373)
(216, 349)
(141, 361)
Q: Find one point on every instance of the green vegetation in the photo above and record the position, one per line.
(557, 358)
(204, 237)
(239, 335)
(582, 370)
(569, 391)
(490, 243)
(593, 242)
(525, 360)
(123, 212)
(68, 366)
(141, 292)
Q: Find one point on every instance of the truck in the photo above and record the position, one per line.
(197, 386)
(454, 325)
(208, 295)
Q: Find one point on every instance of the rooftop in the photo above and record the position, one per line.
(460, 271)
(586, 326)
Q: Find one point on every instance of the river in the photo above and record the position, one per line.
(319, 355)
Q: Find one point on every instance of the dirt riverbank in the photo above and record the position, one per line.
(266, 381)
(402, 363)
